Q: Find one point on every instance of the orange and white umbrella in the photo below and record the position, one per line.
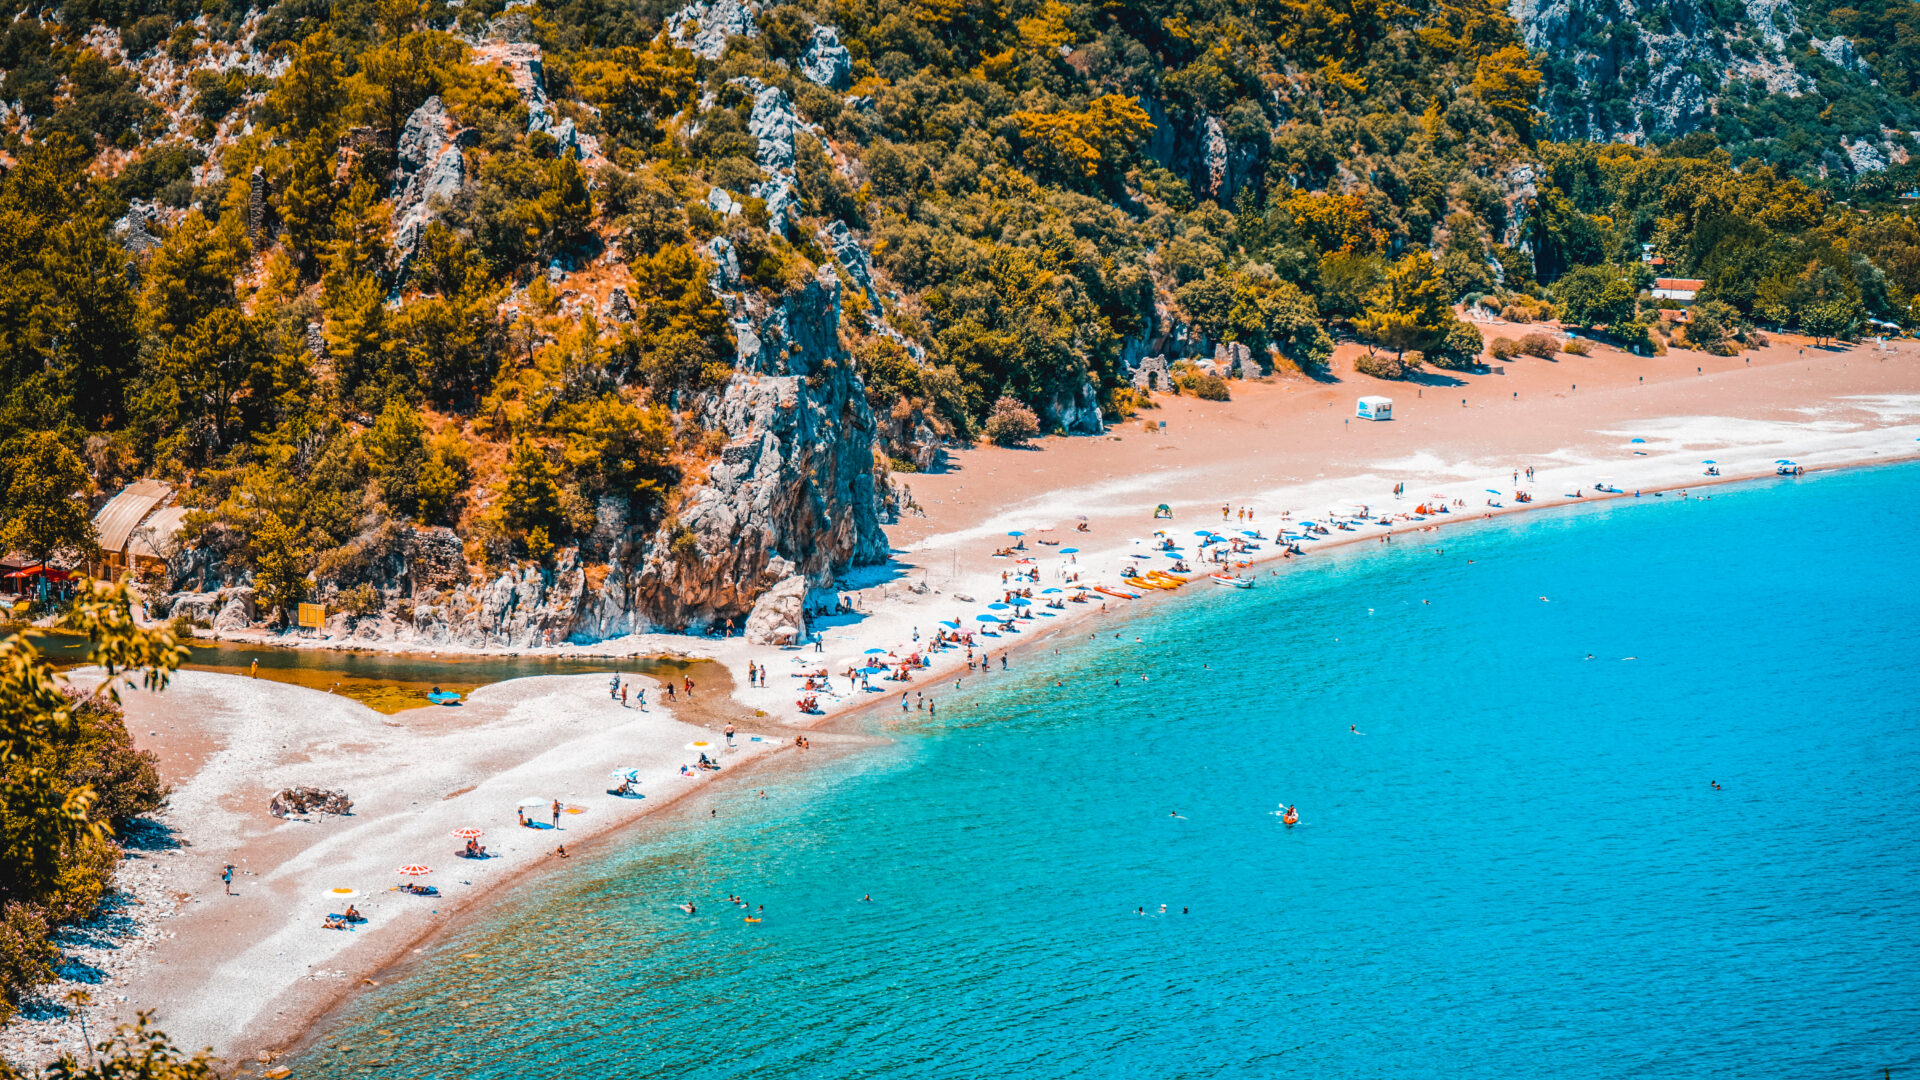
(469, 833)
(413, 871)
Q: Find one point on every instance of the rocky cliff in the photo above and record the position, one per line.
(1640, 70)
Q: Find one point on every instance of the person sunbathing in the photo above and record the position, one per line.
(625, 788)
(334, 923)
(353, 914)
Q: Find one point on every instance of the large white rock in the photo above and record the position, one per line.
(779, 616)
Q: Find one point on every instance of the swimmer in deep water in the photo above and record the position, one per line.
(1355, 730)
(687, 907)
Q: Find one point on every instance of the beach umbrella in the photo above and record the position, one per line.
(986, 618)
(1016, 532)
(876, 652)
(1781, 461)
(1709, 461)
(951, 624)
(1490, 491)
(700, 744)
(531, 801)
(1044, 592)
(997, 607)
(1069, 551)
(1202, 532)
(1639, 440)
(1020, 601)
(623, 774)
(471, 833)
(413, 870)
(341, 892)
(1248, 532)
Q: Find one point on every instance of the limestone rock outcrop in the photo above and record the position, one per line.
(431, 167)
(776, 125)
(705, 26)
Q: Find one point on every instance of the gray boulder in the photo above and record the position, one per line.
(779, 616)
(827, 62)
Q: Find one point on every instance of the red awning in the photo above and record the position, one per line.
(53, 573)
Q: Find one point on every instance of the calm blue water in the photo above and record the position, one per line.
(1519, 870)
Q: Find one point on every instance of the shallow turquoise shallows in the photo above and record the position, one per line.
(1520, 869)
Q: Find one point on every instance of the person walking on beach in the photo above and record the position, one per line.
(623, 697)
(556, 813)
(729, 734)
(226, 876)
(903, 701)
(254, 671)
(613, 688)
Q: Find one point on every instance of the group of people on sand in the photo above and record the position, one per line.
(617, 690)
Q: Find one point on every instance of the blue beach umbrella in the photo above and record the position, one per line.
(1069, 551)
(997, 607)
(1021, 601)
(1043, 592)
(1781, 461)
(952, 624)
(986, 618)
(1709, 461)
(1248, 532)
(1638, 440)
(1490, 491)
(1202, 532)
(876, 652)
(1016, 532)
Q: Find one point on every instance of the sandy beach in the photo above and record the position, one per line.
(248, 974)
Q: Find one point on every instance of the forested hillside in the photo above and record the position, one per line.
(630, 309)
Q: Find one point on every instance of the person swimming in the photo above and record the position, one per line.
(687, 907)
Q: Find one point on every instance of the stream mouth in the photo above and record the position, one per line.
(385, 682)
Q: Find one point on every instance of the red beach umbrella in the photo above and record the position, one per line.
(413, 871)
(469, 833)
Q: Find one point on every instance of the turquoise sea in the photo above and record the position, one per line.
(1520, 869)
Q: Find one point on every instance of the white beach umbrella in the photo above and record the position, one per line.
(534, 800)
(341, 893)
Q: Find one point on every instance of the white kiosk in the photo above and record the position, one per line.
(1375, 408)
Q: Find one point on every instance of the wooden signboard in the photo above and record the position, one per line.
(313, 615)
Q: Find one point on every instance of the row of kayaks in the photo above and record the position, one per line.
(1156, 579)
(1161, 579)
